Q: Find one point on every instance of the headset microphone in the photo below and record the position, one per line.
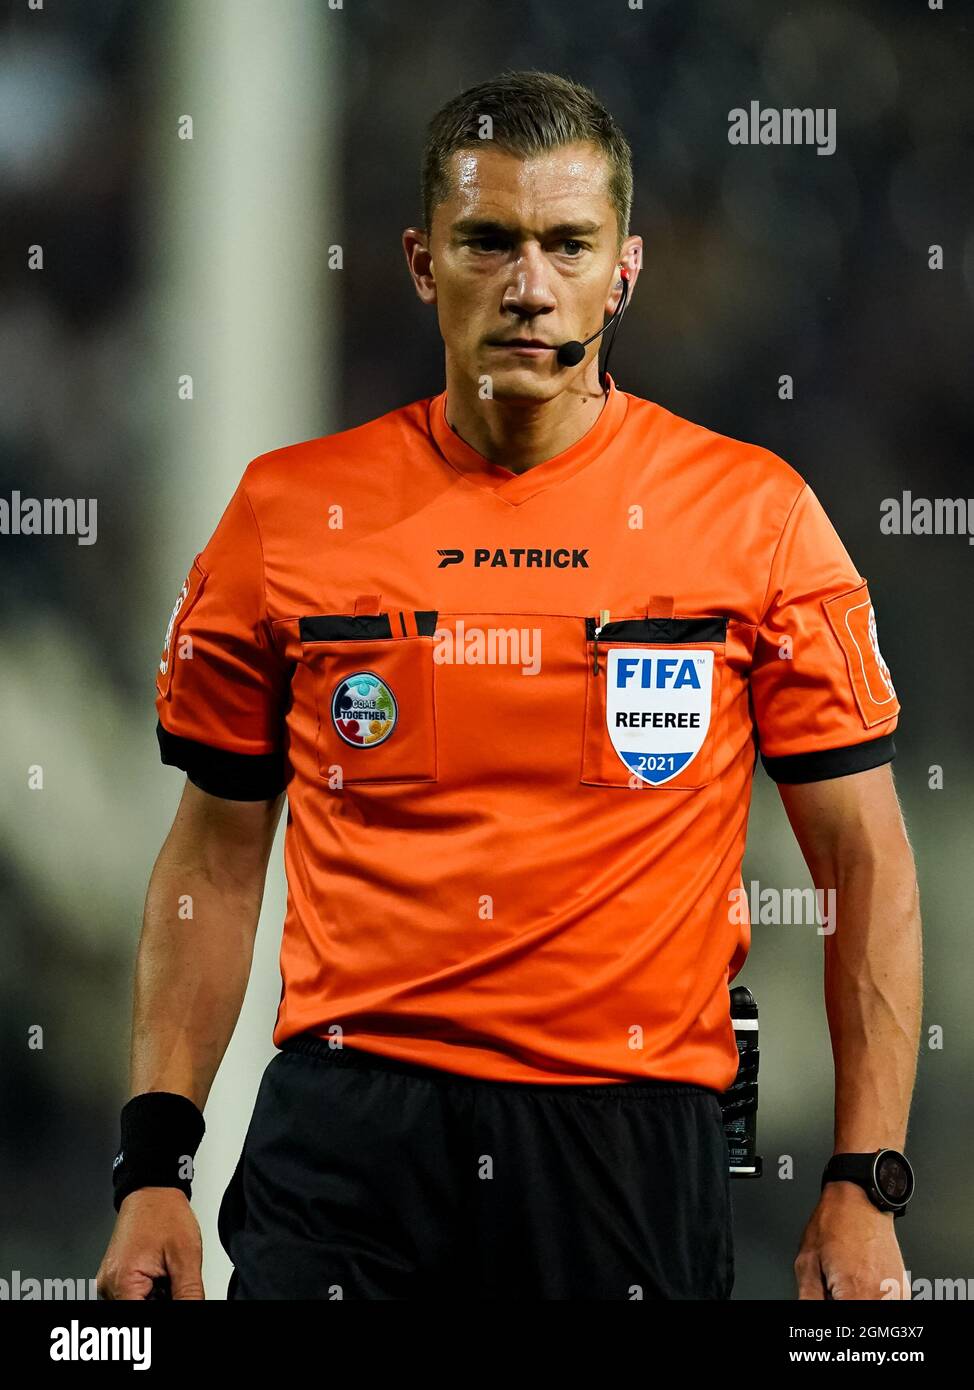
(572, 352)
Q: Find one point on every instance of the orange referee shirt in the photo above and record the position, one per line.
(517, 719)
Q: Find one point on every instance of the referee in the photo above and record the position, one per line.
(511, 654)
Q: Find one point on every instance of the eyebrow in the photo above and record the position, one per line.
(486, 226)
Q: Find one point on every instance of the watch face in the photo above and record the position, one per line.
(894, 1178)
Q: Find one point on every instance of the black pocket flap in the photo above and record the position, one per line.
(707, 629)
(344, 627)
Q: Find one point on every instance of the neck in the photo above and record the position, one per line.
(520, 433)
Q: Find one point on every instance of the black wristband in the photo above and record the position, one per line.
(161, 1132)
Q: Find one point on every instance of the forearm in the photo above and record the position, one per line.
(191, 972)
(873, 994)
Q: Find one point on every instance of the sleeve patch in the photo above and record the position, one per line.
(853, 621)
(188, 594)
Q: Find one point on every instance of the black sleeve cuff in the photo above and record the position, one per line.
(235, 776)
(822, 765)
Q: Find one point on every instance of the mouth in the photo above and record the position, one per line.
(529, 347)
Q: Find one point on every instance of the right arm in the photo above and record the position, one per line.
(197, 943)
(195, 952)
(221, 685)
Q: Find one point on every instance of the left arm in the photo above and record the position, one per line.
(851, 833)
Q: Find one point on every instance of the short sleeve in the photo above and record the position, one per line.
(823, 698)
(220, 681)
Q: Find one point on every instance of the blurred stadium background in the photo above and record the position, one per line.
(213, 257)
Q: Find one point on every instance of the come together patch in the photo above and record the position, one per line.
(364, 709)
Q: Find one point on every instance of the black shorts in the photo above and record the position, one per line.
(363, 1177)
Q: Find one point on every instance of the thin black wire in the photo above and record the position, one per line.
(611, 334)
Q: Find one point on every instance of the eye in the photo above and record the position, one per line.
(486, 243)
(574, 248)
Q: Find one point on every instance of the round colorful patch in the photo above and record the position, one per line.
(364, 709)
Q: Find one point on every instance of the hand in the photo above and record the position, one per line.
(156, 1236)
(849, 1249)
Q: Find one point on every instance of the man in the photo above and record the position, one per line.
(511, 652)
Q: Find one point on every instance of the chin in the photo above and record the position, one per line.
(527, 384)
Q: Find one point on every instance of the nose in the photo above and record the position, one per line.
(529, 291)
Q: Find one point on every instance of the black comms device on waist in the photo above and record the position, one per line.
(739, 1103)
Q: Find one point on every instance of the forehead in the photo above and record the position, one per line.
(490, 182)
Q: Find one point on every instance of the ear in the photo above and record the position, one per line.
(419, 261)
(631, 256)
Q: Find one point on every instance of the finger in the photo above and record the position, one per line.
(113, 1283)
(808, 1273)
(185, 1265)
(132, 1284)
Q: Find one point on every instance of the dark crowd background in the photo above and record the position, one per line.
(760, 261)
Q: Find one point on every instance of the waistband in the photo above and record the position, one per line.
(310, 1045)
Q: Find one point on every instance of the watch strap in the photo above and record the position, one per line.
(856, 1168)
(859, 1168)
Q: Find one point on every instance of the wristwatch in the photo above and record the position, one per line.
(885, 1176)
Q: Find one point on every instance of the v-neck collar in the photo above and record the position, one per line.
(518, 487)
